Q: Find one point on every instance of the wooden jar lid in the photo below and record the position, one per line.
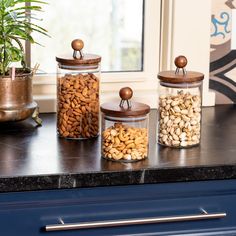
(113, 109)
(125, 108)
(176, 77)
(78, 58)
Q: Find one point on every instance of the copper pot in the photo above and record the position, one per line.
(16, 100)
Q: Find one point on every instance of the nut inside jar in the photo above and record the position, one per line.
(124, 142)
(179, 119)
(78, 106)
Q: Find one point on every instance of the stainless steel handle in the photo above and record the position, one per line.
(129, 222)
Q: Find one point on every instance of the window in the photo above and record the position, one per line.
(126, 33)
(111, 28)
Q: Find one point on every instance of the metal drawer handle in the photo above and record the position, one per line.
(129, 222)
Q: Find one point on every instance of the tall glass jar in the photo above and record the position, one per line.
(78, 92)
(125, 129)
(180, 101)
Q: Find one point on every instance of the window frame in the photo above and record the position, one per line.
(163, 35)
(142, 82)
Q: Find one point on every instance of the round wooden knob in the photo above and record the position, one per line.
(126, 93)
(181, 61)
(77, 44)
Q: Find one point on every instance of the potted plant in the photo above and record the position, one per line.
(16, 26)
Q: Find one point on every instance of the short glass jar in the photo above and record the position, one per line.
(78, 83)
(180, 101)
(125, 129)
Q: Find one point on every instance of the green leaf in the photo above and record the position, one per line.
(12, 3)
(30, 1)
(14, 54)
(8, 3)
(21, 33)
(32, 8)
(25, 31)
(31, 25)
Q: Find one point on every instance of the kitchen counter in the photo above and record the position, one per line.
(36, 159)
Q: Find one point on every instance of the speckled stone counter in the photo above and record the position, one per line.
(36, 159)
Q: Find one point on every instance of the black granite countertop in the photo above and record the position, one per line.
(35, 158)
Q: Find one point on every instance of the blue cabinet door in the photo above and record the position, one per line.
(27, 213)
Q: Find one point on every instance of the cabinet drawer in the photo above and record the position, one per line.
(28, 213)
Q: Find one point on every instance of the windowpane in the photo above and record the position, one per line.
(110, 28)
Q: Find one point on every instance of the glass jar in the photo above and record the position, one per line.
(125, 129)
(78, 79)
(180, 101)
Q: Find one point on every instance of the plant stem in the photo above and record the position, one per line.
(4, 58)
(4, 42)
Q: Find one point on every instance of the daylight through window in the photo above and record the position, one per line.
(110, 28)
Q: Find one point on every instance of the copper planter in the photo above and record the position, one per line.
(16, 100)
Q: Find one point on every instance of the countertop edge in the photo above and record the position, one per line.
(116, 178)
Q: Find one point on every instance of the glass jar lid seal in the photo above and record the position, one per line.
(125, 108)
(78, 57)
(176, 77)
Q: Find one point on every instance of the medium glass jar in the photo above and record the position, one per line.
(78, 79)
(180, 101)
(125, 129)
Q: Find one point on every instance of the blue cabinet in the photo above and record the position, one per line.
(28, 213)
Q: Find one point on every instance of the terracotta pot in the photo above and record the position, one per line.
(16, 100)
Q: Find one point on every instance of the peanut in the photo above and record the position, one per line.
(130, 143)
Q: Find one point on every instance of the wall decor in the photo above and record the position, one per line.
(222, 54)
